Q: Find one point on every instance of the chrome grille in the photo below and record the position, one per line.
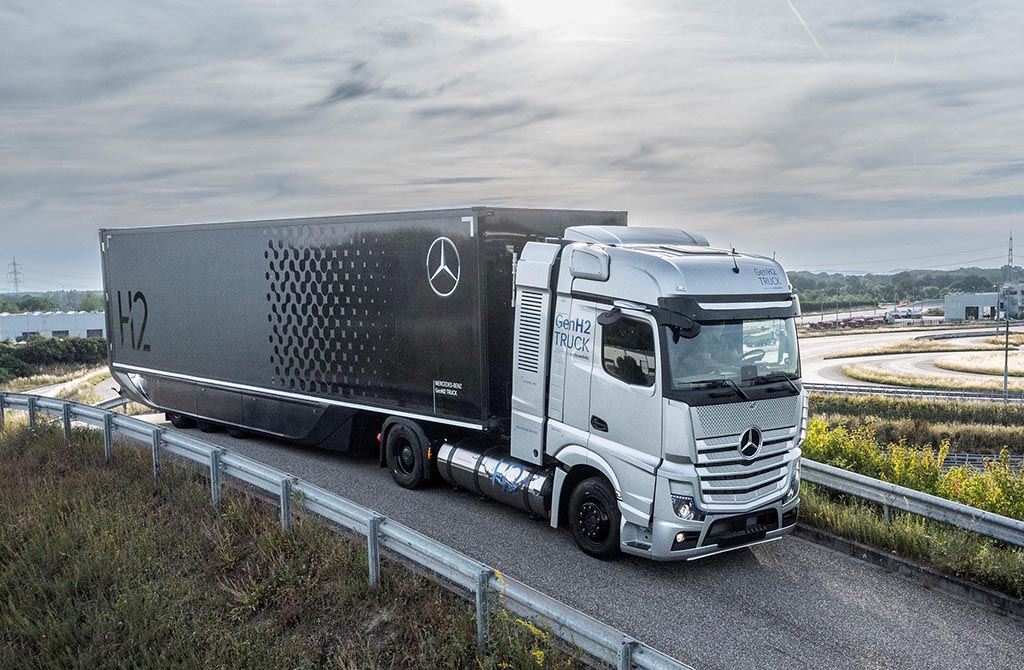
(726, 477)
(734, 418)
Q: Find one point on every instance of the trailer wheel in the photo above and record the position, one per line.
(594, 517)
(406, 450)
(208, 426)
(179, 420)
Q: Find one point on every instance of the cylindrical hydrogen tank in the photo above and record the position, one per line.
(478, 464)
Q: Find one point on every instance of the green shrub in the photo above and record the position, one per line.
(973, 438)
(999, 488)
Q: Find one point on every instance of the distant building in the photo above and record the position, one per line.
(1011, 301)
(971, 306)
(19, 327)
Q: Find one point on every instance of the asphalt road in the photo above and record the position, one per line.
(790, 604)
(817, 369)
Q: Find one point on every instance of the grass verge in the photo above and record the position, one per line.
(913, 347)
(985, 363)
(995, 413)
(949, 550)
(101, 566)
(85, 391)
(876, 376)
(48, 376)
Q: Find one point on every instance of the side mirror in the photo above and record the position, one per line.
(589, 263)
(610, 317)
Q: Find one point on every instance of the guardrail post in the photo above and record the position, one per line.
(286, 511)
(66, 415)
(32, 411)
(886, 514)
(158, 435)
(482, 580)
(373, 550)
(626, 654)
(215, 477)
(108, 437)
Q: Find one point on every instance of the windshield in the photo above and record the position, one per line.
(734, 353)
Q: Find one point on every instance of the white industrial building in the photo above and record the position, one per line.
(18, 327)
(971, 306)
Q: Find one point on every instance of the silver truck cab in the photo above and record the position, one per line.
(670, 404)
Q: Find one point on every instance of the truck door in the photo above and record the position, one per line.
(625, 407)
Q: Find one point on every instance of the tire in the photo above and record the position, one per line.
(406, 452)
(238, 433)
(207, 426)
(181, 420)
(594, 518)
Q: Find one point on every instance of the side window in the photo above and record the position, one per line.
(627, 351)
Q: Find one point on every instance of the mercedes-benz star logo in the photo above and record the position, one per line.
(750, 442)
(443, 267)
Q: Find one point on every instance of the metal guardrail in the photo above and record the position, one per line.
(598, 640)
(912, 393)
(889, 495)
(977, 461)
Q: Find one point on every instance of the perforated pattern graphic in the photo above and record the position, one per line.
(331, 323)
(734, 418)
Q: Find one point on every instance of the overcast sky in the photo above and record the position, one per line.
(858, 135)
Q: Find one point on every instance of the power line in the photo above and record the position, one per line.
(904, 258)
(15, 274)
(962, 263)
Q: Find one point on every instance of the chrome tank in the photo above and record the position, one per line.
(477, 464)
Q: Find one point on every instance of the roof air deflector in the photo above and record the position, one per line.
(613, 235)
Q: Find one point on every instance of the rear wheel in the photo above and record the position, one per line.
(406, 451)
(179, 420)
(208, 426)
(594, 517)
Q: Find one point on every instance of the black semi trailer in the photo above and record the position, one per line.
(551, 359)
(293, 327)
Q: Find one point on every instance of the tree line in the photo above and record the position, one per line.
(822, 291)
(55, 301)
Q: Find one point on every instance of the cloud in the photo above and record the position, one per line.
(719, 116)
(905, 22)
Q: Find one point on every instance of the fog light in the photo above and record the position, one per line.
(680, 537)
(685, 508)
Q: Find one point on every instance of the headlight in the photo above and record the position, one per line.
(794, 485)
(686, 509)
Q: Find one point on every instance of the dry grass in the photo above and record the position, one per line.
(914, 347)
(995, 414)
(875, 376)
(54, 374)
(101, 566)
(984, 363)
(1016, 340)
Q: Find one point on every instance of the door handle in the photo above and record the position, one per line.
(597, 423)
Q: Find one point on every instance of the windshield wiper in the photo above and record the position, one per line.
(778, 376)
(725, 382)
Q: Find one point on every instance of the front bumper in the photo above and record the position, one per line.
(717, 533)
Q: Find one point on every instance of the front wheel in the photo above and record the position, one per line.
(594, 518)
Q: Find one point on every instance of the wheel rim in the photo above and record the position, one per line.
(406, 461)
(593, 520)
